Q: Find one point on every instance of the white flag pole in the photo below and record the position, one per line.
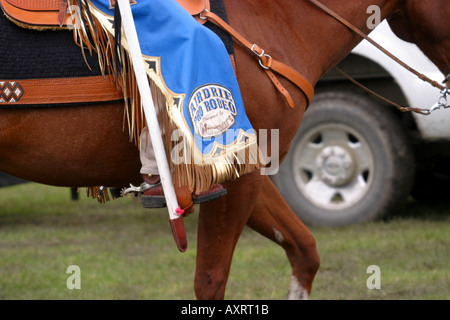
(152, 122)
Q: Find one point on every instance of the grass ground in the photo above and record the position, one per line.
(126, 252)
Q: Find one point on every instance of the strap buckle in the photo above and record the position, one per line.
(258, 51)
(201, 14)
(261, 63)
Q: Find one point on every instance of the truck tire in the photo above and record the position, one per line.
(350, 162)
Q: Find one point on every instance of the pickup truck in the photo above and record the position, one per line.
(356, 159)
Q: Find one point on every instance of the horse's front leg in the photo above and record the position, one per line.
(220, 225)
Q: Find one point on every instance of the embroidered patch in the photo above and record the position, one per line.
(10, 92)
(112, 3)
(212, 110)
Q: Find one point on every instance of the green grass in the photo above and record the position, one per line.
(126, 252)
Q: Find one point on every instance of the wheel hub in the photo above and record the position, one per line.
(335, 166)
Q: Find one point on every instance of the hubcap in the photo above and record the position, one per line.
(335, 166)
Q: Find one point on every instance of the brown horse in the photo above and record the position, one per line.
(86, 146)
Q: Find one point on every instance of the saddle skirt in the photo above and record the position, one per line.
(45, 14)
(35, 14)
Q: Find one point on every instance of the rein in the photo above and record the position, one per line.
(269, 64)
(445, 92)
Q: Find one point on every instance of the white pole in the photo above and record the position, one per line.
(149, 108)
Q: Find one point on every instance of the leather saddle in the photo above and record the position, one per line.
(44, 14)
(34, 14)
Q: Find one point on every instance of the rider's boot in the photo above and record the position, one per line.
(154, 196)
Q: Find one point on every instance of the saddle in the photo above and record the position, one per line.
(53, 14)
(35, 14)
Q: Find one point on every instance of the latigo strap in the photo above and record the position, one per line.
(58, 91)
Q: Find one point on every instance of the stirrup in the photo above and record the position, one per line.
(209, 197)
(149, 201)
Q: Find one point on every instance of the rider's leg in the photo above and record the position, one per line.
(154, 197)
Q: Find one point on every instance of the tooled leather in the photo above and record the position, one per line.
(45, 12)
(36, 5)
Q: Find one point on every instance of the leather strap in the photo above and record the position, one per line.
(267, 62)
(62, 12)
(447, 81)
(389, 102)
(194, 7)
(58, 91)
(378, 46)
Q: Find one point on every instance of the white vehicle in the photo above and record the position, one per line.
(355, 159)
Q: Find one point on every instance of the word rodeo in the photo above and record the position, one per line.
(212, 110)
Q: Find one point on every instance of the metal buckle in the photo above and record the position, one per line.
(256, 52)
(262, 64)
(260, 55)
(201, 16)
(442, 103)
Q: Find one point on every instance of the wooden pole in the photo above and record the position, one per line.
(176, 220)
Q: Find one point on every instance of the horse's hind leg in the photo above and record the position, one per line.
(220, 225)
(273, 218)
